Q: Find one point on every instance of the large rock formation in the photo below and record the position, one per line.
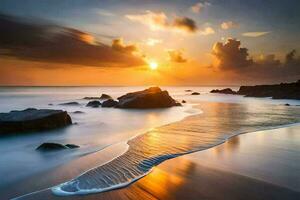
(33, 119)
(224, 91)
(277, 91)
(152, 97)
(105, 96)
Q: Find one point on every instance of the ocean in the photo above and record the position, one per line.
(146, 137)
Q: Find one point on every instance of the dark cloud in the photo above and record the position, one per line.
(176, 56)
(231, 57)
(38, 41)
(118, 45)
(185, 23)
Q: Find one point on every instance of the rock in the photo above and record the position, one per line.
(72, 103)
(109, 103)
(188, 90)
(287, 104)
(51, 147)
(224, 91)
(93, 104)
(152, 97)
(105, 96)
(78, 112)
(183, 101)
(33, 119)
(277, 91)
(195, 93)
(72, 146)
(91, 98)
(50, 104)
(48, 146)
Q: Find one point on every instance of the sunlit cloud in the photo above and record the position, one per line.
(228, 25)
(176, 56)
(159, 21)
(255, 34)
(105, 13)
(197, 8)
(207, 31)
(153, 41)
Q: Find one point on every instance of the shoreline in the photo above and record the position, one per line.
(70, 164)
(184, 173)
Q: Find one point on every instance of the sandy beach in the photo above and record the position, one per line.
(201, 176)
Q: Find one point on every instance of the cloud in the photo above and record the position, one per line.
(196, 8)
(231, 57)
(228, 25)
(255, 34)
(207, 31)
(159, 21)
(37, 41)
(118, 45)
(176, 56)
(153, 41)
(185, 23)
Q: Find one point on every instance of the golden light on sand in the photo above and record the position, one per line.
(153, 65)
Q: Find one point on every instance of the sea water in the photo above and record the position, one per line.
(152, 135)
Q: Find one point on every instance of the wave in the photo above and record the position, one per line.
(219, 122)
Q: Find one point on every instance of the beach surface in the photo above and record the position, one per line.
(257, 165)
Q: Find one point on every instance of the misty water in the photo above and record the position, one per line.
(152, 136)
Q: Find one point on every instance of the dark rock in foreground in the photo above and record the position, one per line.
(73, 103)
(195, 93)
(105, 96)
(33, 119)
(277, 91)
(55, 146)
(93, 104)
(224, 91)
(109, 103)
(152, 97)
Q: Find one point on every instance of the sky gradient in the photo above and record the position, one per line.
(214, 42)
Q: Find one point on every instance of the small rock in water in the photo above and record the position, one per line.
(78, 112)
(105, 96)
(224, 91)
(188, 90)
(195, 93)
(91, 98)
(183, 101)
(51, 146)
(72, 103)
(93, 104)
(72, 146)
(109, 103)
(287, 104)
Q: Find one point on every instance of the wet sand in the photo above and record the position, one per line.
(221, 172)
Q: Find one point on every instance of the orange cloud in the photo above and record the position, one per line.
(176, 56)
(228, 25)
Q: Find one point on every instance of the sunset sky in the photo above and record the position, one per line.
(136, 42)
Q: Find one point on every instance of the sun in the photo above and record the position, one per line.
(153, 65)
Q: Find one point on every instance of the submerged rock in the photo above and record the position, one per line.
(93, 104)
(49, 146)
(188, 90)
(152, 97)
(109, 103)
(195, 93)
(78, 112)
(33, 119)
(72, 103)
(105, 96)
(224, 91)
(91, 98)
